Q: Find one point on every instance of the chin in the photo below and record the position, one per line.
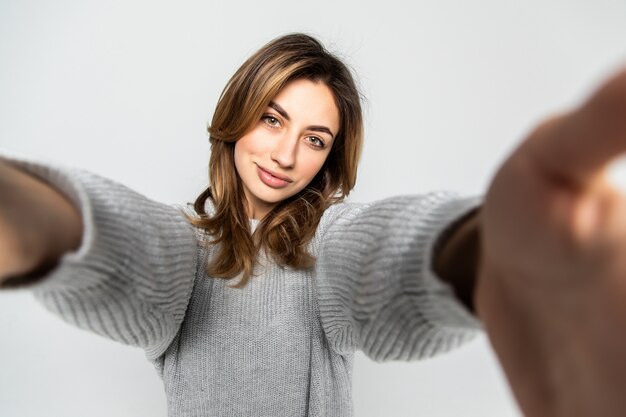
(272, 197)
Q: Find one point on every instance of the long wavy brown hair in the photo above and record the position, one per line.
(286, 230)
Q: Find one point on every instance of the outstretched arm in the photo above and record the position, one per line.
(124, 269)
(376, 288)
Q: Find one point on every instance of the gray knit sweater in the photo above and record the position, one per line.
(284, 344)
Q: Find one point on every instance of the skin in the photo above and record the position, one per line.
(551, 287)
(551, 275)
(32, 239)
(292, 139)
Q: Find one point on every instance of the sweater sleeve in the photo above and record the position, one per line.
(131, 278)
(376, 288)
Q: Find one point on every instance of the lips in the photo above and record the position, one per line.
(272, 179)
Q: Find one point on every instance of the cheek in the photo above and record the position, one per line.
(238, 156)
(312, 167)
(244, 148)
(255, 142)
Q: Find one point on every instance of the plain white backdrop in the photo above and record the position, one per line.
(125, 89)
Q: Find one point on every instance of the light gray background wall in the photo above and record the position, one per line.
(125, 88)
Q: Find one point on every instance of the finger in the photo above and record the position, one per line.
(577, 146)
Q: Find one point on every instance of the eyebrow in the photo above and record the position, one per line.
(315, 128)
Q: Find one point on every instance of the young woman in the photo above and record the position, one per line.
(256, 303)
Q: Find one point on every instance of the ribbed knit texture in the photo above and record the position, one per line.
(284, 344)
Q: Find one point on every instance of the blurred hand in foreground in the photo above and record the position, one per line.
(552, 276)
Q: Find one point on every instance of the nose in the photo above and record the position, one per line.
(284, 151)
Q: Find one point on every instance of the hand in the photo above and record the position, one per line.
(552, 275)
(38, 225)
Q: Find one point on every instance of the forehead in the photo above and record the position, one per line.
(310, 102)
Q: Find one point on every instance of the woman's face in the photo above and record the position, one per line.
(280, 156)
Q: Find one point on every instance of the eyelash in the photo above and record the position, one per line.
(320, 143)
(267, 117)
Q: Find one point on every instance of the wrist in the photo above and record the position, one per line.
(456, 255)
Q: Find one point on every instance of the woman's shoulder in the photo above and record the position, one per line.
(341, 209)
(346, 210)
(340, 212)
(377, 213)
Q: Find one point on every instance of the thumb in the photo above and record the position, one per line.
(577, 146)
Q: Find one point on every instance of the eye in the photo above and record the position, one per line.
(315, 141)
(270, 120)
